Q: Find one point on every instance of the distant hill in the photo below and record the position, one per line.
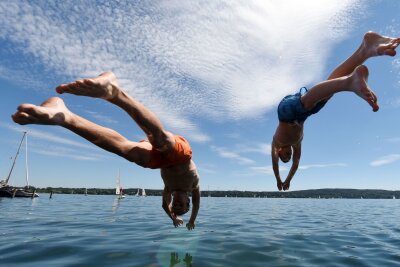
(312, 193)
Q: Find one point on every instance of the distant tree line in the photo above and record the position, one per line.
(314, 193)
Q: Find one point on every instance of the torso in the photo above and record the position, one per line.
(182, 177)
(288, 134)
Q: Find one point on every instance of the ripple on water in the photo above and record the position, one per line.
(71, 230)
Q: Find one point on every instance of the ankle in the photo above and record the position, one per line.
(116, 94)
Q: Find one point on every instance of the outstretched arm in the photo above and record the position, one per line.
(195, 209)
(275, 165)
(166, 199)
(295, 165)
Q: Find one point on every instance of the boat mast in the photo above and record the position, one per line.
(118, 187)
(15, 158)
(26, 160)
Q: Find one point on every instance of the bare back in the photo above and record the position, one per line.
(182, 177)
(288, 134)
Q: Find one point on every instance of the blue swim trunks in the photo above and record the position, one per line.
(291, 109)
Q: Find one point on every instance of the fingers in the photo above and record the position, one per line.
(190, 226)
(177, 223)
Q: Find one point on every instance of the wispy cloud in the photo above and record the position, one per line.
(262, 148)
(46, 136)
(395, 102)
(225, 153)
(393, 140)
(305, 167)
(222, 59)
(62, 152)
(267, 170)
(21, 78)
(385, 160)
(55, 150)
(101, 117)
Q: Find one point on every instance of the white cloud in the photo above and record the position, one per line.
(224, 153)
(67, 153)
(305, 167)
(101, 117)
(220, 59)
(52, 150)
(385, 160)
(393, 140)
(46, 136)
(267, 170)
(262, 148)
(395, 102)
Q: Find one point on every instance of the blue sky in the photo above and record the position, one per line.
(214, 72)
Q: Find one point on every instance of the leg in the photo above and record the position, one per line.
(355, 82)
(372, 45)
(54, 112)
(105, 86)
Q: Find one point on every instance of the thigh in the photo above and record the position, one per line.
(138, 152)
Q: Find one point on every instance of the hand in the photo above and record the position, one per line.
(190, 225)
(174, 259)
(286, 185)
(279, 184)
(188, 260)
(177, 221)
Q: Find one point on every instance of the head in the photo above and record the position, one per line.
(180, 203)
(285, 153)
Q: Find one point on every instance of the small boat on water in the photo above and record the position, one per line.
(11, 191)
(118, 188)
(7, 190)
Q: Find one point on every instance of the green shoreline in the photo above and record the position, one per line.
(311, 193)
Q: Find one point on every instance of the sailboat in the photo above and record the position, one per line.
(143, 192)
(118, 188)
(137, 193)
(7, 190)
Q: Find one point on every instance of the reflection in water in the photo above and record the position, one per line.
(175, 259)
(116, 203)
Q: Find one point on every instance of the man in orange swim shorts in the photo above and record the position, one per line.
(163, 150)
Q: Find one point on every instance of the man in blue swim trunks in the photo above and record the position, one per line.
(293, 110)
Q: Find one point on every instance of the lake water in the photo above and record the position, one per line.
(77, 230)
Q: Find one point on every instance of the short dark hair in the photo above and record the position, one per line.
(284, 161)
(180, 213)
(291, 154)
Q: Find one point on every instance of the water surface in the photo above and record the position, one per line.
(77, 230)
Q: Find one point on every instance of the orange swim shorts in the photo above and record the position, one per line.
(181, 153)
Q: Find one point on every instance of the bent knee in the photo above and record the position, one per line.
(307, 105)
(162, 141)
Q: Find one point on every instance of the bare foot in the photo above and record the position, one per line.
(377, 45)
(51, 112)
(103, 86)
(360, 87)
